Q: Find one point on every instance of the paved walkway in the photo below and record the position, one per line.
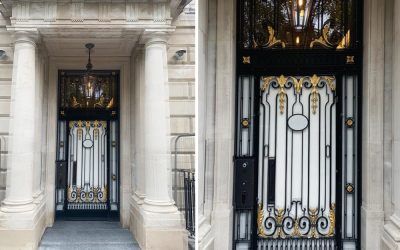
(87, 235)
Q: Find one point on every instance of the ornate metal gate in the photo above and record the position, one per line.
(297, 164)
(87, 144)
(87, 165)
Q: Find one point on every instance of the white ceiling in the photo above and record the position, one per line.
(72, 43)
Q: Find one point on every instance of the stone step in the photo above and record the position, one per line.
(91, 246)
(87, 235)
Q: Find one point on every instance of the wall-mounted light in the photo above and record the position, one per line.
(179, 54)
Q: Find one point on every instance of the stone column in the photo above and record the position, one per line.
(20, 174)
(162, 226)
(391, 237)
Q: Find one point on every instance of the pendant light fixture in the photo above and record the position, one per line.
(89, 80)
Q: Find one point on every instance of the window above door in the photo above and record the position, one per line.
(298, 24)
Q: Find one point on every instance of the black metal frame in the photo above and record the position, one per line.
(108, 115)
(274, 62)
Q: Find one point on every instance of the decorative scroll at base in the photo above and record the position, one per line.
(276, 223)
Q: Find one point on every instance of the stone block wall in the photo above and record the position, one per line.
(181, 73)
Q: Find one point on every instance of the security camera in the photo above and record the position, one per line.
(2, 54)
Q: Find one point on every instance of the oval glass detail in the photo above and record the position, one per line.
(87, 143)
(298, 122)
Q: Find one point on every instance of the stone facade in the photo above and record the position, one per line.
(140, 39)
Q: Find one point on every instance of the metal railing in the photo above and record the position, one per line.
(189, 193)
(184, 188)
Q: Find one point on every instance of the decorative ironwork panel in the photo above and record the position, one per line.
(78, 91)
(298, 155)
(87, 168)
(301, 24)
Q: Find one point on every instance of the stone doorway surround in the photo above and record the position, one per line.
(130, 36)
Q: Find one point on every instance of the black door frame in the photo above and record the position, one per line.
(108, 115)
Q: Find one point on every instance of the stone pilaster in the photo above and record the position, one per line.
(161, 224)
(391, 235)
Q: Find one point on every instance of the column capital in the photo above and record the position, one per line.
(150, 37)
(26, 36)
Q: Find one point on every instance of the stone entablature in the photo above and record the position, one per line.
(133, 13)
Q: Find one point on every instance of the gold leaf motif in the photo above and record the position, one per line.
(110, 104)
(296, 231)
(272, 41)
(323, 39)
(331, 82)
(332, 219)
(313, 221)
(298, 84)
(314, 92)
(282, 81)
(266, 81)
(260, 218)
(246, 60)
(279, 219)
(69, 193)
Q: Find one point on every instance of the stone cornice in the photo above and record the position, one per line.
(127, 12)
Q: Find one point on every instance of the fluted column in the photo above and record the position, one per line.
(156, 126)
(20, 173)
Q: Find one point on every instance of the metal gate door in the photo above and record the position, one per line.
(87, 165)
(297, 162)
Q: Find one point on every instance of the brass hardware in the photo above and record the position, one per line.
(349, 122)
(350, 59)
(314, 92)
(246, 60)
(61, 144)
(114, 177)
(245, 123)
(349, 188)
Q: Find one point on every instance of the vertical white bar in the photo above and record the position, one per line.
(245, 114)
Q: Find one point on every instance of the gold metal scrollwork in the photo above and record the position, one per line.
(298, 85)
(323, 40)
(272, 41)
